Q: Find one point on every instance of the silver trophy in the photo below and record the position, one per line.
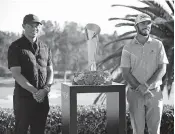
(92, 32)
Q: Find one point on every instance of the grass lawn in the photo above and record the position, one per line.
(7, 86)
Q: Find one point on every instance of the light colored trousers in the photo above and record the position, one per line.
(142, 109)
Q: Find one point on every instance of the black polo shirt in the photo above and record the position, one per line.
(32, 60)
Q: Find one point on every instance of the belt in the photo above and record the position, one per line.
(155, 88)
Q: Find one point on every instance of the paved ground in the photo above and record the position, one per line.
(6, 93)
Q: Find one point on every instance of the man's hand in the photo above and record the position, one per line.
(149, 95)
(144, 90)
(129, 77)
(39, 96)
(35, 97)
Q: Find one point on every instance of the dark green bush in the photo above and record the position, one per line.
(4, 72)
(91, 120)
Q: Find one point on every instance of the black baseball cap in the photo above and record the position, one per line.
(31, 18)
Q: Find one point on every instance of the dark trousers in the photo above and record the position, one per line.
(28, 112)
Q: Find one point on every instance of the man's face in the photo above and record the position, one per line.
(31, 29)
(144, 28)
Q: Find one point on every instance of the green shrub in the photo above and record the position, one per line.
(91, 120)
(4, 72)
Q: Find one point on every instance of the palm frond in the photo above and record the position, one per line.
(160, 10)
(126, 34)
(147, 2)
(158, 31)
(124, 24)
(159, 20)
(159, 14)
(115, 54)
(97, 98)
(153, 3)
(170, 26)
(116, 66)
(153, 12)
(117, 40)
(150, 3)
(156, 5)
(143, 10)
(103, 99)
(165, 23)
(132, 20)
(170, 5)
(131, 15)
(169, 78)
(167, 27)
(168, 41)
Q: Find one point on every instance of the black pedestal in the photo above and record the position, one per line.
(115, 106)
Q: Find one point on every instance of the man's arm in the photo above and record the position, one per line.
(50, 75)
(160, 72)
(126, 68)
(129, 77)
(22, 81)
(162, 61)
(49, 80)
(14, 66)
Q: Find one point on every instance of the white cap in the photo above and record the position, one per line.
(141, 18)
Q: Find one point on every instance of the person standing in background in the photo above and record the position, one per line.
(143, 64)
(30, 62)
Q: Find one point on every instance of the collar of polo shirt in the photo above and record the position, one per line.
(137, 42)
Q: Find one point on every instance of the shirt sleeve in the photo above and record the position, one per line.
(13, 56)
(125, 58)
(162, 58)
(49, 62)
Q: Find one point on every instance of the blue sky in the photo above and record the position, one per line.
(80, 11)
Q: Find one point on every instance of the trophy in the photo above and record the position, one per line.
(92, 76)
(92, 32)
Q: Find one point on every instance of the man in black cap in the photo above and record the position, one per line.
(30, 63)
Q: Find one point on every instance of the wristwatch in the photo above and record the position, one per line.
(47, 87)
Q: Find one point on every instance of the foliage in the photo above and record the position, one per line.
(68, 45)
(91, 119)
(92, 78)
(4, 72)
(6, 38)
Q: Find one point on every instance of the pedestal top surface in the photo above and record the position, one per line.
(70, 84)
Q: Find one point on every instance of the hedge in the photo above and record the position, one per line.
(91, 120)
(4, 72)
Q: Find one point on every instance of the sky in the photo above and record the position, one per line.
(80, 11)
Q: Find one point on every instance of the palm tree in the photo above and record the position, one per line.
(162, 29)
